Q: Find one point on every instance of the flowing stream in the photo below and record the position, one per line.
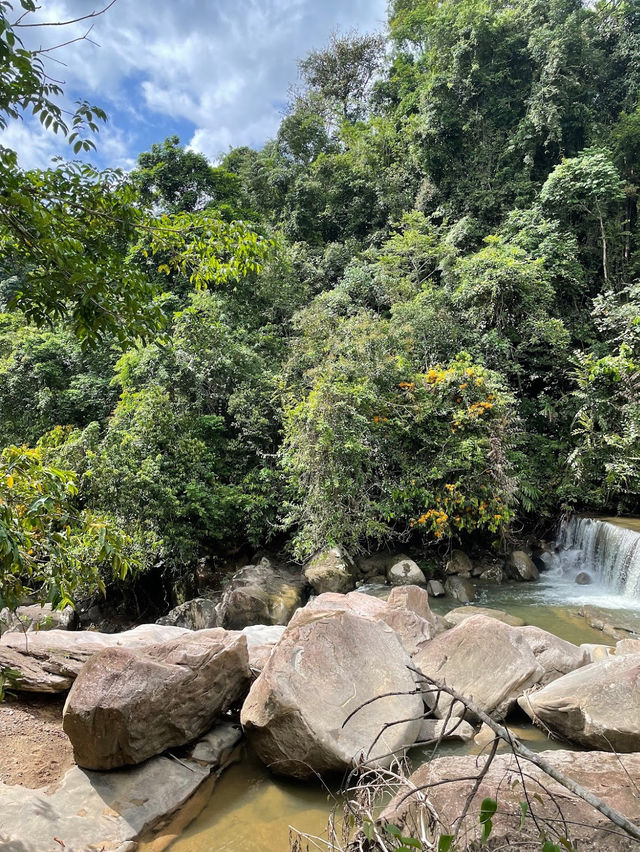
(251, 809)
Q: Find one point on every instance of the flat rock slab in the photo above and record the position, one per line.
(93, 811)
(602, 774)
(617, 625)
(455, 616)
(51, 661)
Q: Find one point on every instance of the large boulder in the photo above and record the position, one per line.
(433, 730)
(298, 714)
(36, 617)
(597, 706)
(127, 706)
(494, 663)
(521, 566)
(51, 661)
(602, 774)
(482, 659)
(196, 614)
(261, 640)
(260, 594)
(331, 570)
(406, 611)
(377, 564)
(556, 656)
(459, 563)
(627, 646)
(406, 573)
(460, 588)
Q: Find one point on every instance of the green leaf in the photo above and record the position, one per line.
(393, 830)
(524, 809)
(445, 844)
(487, 810)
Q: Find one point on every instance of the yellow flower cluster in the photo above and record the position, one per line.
(479, 408)
(435, 516)
(435, 376)
(407, 385)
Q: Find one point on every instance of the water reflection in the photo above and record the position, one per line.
(251, 810)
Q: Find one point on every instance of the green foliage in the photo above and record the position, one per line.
(180, 181)
(488, 809)
(342, 73)
(373, 448)
(48, 545)
(47, 378)
(25, 85)
(9, 680)
(413, 315)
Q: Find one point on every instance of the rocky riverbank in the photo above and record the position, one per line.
(341, 684)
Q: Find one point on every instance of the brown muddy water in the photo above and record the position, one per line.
(250, 809)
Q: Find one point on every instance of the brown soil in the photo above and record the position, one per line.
(34, 750)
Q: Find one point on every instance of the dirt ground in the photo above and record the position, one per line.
(34, 750)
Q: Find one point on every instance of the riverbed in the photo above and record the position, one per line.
(250, 809)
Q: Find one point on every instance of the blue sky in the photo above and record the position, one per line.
(215, 72)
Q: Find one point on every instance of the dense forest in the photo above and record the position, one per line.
(413, 316)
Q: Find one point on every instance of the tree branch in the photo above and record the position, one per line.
(95, 14)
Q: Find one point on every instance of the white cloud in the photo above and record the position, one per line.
(221, 65)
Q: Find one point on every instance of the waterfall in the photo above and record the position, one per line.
(609, 552)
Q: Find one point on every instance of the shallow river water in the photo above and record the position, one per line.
(250, 809)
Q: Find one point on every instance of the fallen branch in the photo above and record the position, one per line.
(516, 746)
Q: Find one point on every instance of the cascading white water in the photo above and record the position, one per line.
(603, 549)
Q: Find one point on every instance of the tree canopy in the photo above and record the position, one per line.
(411, 316)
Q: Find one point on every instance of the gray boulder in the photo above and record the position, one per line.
(583, 579)
(493, 574)
(406, 611)
(435, 589)
(377, 564)
(127, 706)
(261, 640)
(406, 573)
(433, 730)
(459, 563)
(556, 656)
(522, 567)
(597, 706)
(197, 614)
(483, 659)
(36, 617)
(260, 594)
(332, 570)
(326, 666)
(460, 588)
